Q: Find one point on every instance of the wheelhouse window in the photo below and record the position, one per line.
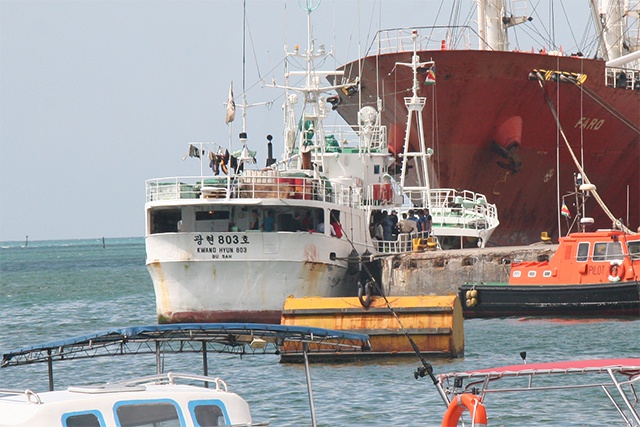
(634, 250)
(86, 419)
(607, 251)
(212, 219)
(148, 414)
(208, 413)
(165, 220)
(583, 251)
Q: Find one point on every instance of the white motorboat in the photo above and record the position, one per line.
(161, 399)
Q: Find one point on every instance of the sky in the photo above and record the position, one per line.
(98, 96)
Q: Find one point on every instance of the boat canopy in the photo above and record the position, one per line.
(629, 367)
(236, 338)
(613, 376)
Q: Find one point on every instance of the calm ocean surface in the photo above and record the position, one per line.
(59, 289)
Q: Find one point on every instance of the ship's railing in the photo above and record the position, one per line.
(407, 242)
(623, 78)
(269, 184)
(354, 139)
(429, 38)
(272, 184)
(173, 188)
(457, 208)
(251, 184)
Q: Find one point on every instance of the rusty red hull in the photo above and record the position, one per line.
(493, 132)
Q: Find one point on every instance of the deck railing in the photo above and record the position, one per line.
(457, 208)
(269, 184)
(623, 78)
(399, 40)
(429, 38)
(448, 207)
(405, 242)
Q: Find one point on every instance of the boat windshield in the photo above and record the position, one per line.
(147, 414)
(607, 251)
(634, 250)
(583, 251)
(234, 218)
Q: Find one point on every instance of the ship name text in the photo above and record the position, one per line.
(221, 246)
(589, 123)
(598, 270)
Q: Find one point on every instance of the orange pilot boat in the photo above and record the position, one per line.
(590, 274)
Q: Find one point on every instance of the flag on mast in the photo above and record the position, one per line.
(564, 211)
(431, 76)
(231, 106)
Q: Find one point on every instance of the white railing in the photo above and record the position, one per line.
(338, 138)
(623, 78)
(269, 184)
(406, 242)
(457, 208)
(429, 38)
(448, 207)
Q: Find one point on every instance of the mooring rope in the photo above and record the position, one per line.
(586, 180)
(426, 368)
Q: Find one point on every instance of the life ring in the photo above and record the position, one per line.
(471, 403)
(616, 271)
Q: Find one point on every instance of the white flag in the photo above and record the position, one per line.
(231, 106)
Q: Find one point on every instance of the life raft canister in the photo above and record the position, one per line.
(457, 406)
(616, 271)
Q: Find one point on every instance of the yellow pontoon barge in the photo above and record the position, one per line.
(434, 323)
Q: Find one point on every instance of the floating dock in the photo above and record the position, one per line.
(434, 323)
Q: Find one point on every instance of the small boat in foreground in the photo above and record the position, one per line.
(590, 274)
(465, 393)
(160, 399)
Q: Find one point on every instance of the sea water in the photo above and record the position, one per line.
(59, 289)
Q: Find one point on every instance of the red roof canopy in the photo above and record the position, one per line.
(629, 366)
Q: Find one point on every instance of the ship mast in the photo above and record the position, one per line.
(493, 23)
(415, 104)
(245, 156)
(611, 17)
(308, 131)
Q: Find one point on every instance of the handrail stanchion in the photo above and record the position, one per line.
(305, 348)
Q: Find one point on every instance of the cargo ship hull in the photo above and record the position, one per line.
(493, 131)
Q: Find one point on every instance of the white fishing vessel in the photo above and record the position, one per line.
(232, 248)
(163, 399)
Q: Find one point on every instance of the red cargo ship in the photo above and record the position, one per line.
(493, 123)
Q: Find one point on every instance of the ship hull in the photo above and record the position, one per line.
(502, 300)
(494, 132)
(192, 286)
